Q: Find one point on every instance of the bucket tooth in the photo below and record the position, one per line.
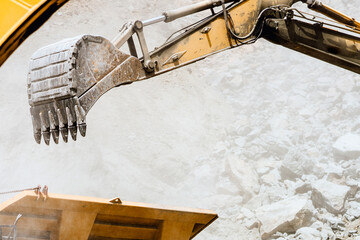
(55, 135)
(62, 126)
(70, 119)
(52, 120)
(54, 128)
(71, 124)
(80, 116)
(37, 136)
(37, 130)
(61, 118)
(43, 122)
(73, 132)
(64, 133)
(82, 129)
(46, 135)
(45, 130)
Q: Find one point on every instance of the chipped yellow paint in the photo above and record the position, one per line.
(338, 16)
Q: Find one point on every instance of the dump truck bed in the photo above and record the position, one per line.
(76, 217)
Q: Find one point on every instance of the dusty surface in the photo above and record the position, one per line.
(237, 133)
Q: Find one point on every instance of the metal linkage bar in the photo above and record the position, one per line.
(319, 7)
(129, 28)
(193, 8)
(154, 20)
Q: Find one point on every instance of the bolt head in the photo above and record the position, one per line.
(138, 24)
(151, 65)
(175, 58)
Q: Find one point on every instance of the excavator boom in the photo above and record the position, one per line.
(67, 78)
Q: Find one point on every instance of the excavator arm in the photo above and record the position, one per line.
(67, 78)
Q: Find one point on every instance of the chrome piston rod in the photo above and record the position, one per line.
(154, 20)
(168, 16)
(171, 15)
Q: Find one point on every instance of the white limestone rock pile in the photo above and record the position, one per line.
(308, 233)
(248, 218)
(298, 163)
(285, 216)
(330, 196)
(353, 209)
(347, 146)
(303, 196)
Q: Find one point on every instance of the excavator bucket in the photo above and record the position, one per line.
(66, 79)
